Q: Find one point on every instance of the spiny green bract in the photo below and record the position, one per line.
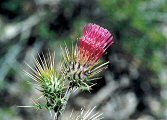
(78, 74)
(49, 81)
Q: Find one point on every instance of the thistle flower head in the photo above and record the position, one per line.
(93, 43)
(81, 63)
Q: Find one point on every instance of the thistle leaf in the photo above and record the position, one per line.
(90, 114)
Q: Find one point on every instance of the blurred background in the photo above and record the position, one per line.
(133, 87)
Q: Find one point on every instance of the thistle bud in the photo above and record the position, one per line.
(49, 81)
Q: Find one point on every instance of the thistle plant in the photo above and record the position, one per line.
(78, 68)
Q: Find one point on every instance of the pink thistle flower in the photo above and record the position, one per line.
(81, 63)
(93, 43)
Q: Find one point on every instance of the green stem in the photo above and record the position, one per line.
(66, 97)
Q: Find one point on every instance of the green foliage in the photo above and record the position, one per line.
(137, 21)
(156, 62)
(12, 5)
(44, 31)
(9, 114)
(77, 28)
